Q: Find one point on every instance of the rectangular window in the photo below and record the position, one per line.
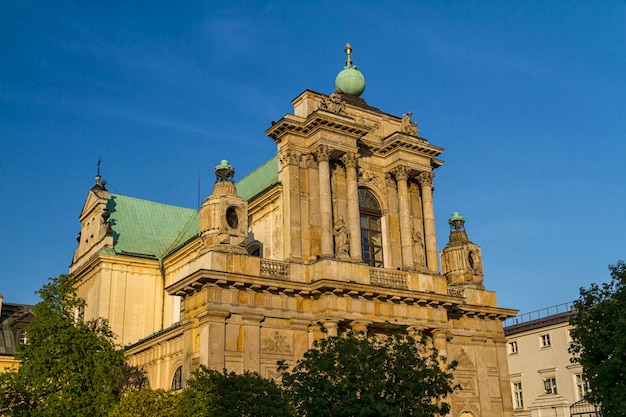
(23, 337)
(545, 341)
(512, 348)
(549, 385)
(582, 386)
(518, 399)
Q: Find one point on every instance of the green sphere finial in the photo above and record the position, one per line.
(350, 80)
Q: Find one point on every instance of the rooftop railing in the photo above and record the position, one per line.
(539, 314)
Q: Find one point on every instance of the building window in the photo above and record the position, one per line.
(177, 381)
(544, 340)
(549, 385)
(255, 248)
(518, 399)
(582, 386)
(23, 337)
(371, 231)
(513, 348)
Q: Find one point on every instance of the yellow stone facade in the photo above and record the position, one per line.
(211, 300)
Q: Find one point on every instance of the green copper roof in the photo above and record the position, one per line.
(145, 228)
(149, 229)
(258, 180)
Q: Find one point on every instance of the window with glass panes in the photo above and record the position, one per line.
(371, 231)
(582, 386)
(549, 385)
(518, 398)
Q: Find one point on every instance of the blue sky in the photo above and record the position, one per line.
(527, 97)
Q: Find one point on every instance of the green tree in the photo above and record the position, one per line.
(146, 403)
(69, 367)
(599, 341)
(213, 394)
(353, 376)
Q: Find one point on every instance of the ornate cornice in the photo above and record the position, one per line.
(318, 120)
(403, 141)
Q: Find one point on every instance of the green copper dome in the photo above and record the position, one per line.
(350, 80)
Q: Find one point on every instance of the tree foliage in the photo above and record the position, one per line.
(147, 403)
(353, 376)
(69, 367)
(599, 340)
(213, 394)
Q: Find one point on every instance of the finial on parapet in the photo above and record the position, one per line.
(99, 183)
(224, 172)
(348, 51)
(456, 222)
(350, 80)
(98, 177)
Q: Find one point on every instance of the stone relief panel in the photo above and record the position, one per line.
(463, 358)
(276, 343)
(369, 178)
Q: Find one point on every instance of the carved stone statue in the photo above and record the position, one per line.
(342, 243)
(333, 103)
(408, 125)
(418, 246)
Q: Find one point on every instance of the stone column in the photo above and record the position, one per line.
(406, 237)
(430, 239)
(326, 204)
(314, 222)
(354, 218)
(290, 162)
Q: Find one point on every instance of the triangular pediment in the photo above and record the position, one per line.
(95, 197)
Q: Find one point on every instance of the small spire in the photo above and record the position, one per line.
(348, 51)
(98, 177)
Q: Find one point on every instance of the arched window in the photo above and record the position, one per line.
(177, 381)
(371, 231)
(255, 248)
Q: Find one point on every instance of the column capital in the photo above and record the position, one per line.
(289, 157)
(360, 326)
(309, 160)
(323, 153)
(350, 159)
(426, 178)
(401, 172)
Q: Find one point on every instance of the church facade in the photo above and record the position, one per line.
(336, 230)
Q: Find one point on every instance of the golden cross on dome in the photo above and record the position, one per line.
(348, 51)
